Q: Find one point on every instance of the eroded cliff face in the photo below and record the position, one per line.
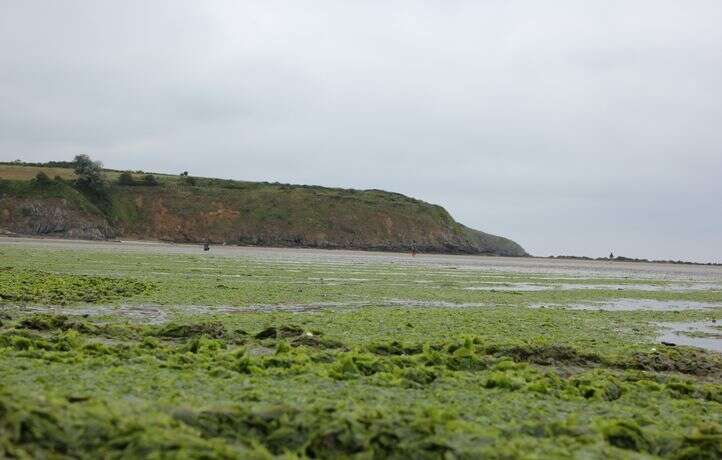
(301, 218)
(257, 214)
(51, 217)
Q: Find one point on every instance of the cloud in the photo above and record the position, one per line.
(577, 128)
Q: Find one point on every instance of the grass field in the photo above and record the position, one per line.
(12, 172)
(143, 350)
(26, 173)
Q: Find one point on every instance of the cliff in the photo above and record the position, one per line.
(246, 213)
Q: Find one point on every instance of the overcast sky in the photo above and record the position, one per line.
(573, 127)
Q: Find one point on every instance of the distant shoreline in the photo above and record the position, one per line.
(631, 259)
(7, 236)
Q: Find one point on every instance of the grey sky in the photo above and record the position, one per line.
(573, 127)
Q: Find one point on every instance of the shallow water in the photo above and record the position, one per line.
(511, 287)
(148, 314)
(672, 287)
(160, 314)
(703, 334)
(633, 304)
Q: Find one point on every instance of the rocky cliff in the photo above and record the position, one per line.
(55, 209)
(243, 213)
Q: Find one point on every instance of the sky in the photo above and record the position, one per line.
(572, 127)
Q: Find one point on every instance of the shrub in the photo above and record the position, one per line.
(126, 178)
(150, 180)
(89, 172)
(41, 178)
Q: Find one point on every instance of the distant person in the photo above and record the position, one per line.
(206, 246)
(413, 249)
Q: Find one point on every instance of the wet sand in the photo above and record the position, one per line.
(526, 265)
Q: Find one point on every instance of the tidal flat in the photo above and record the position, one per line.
(142, 350)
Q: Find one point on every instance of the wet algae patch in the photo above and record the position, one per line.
(209, 389)
(384, 367)
(34, 286)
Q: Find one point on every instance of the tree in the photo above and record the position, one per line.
(126, 178)
(184, 174)
(91, 182)
(89, 172)
(150, 180)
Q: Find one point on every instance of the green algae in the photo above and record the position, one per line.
(400, 399)
(213, 280)
(500, 381)
(32, 286)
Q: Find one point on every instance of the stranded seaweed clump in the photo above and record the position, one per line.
(32, 286)
(194, 390)
(391, 399)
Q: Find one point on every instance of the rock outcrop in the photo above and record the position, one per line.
(52, 217)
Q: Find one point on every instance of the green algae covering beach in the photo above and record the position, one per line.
(130, 350)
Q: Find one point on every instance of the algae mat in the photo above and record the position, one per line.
(130, 350)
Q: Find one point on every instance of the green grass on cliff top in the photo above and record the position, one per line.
(26, 173)
(168, 358)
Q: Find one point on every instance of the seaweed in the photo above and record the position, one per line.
(626, 434)
(34, 286)
(187, 331)
(344, 370)
(284, 331)
(678, 359)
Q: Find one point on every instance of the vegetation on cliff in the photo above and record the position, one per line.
(77, 203)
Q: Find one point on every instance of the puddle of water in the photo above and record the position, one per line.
(137, 313)
(261, 351)
(490, 286)
(703, 334)
(511, 287)
(160, 314)
(358, 304)
(634, 304)
(644, 287)
(340, 279)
